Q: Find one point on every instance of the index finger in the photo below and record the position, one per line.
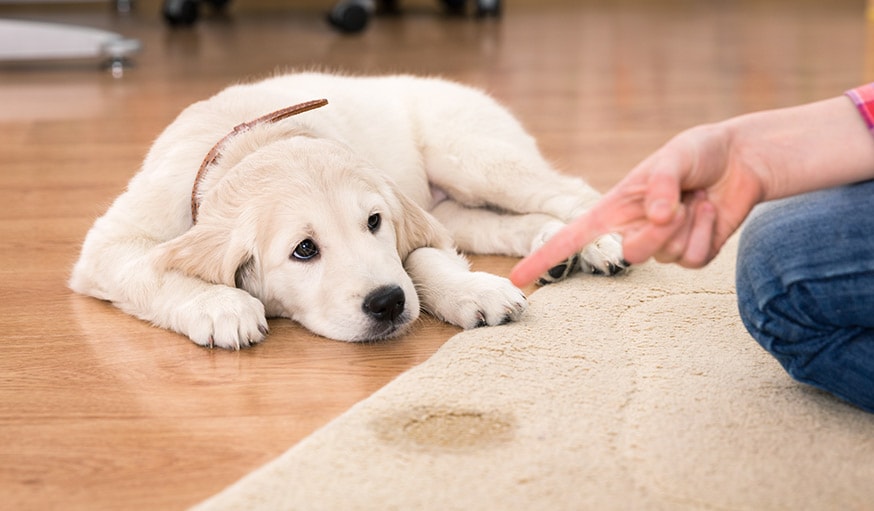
(564, 244)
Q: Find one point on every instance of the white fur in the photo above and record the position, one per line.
(441, 165)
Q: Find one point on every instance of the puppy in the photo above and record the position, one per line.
(343, 216)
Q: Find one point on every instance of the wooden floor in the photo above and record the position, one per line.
(101, 411)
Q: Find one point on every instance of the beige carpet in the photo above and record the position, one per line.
(640, 392)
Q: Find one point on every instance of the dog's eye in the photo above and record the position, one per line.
(373, 222)
(305, 250)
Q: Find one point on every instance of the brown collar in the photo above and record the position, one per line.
(214, 153)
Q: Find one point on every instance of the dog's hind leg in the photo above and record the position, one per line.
(488, 161)
(488, 231)
(518, 183)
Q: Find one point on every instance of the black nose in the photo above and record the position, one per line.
(385, 303)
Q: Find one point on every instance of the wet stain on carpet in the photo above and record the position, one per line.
(446, 429)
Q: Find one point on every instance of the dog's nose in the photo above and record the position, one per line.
(385, 303)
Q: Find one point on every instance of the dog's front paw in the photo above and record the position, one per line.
(603, 256)
(224, 317)
(483, 299)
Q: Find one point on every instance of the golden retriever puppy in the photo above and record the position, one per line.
(344, 217)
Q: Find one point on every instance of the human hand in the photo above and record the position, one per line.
(679, 205)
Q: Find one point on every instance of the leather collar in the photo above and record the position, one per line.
(216, 150)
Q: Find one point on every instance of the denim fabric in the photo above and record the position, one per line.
(805, 287)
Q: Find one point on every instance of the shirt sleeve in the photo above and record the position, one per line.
(863, 97)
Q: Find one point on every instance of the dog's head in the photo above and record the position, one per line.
(316, 234)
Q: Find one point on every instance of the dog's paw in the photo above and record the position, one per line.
(603, 256)
(561, 270)
(224, 317)
(483, 299)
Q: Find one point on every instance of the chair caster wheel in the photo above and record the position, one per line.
(180, 13)
(351, 16)
(488, 8)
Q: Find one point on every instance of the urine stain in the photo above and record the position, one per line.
(446, 429)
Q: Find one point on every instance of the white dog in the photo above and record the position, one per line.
(344, 219)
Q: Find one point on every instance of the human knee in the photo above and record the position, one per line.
(774, 304)
(807, 310)
(757, 278)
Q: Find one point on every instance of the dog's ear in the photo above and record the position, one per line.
(416, 228)
(208, 252)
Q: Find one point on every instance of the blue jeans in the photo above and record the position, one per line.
(805, 287)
